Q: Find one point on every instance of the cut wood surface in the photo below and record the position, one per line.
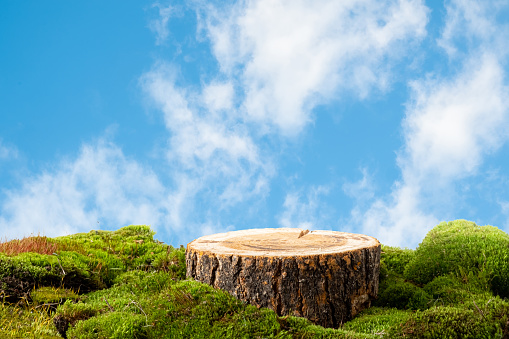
(325, 276)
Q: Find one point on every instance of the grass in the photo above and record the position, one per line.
(125, 284)
(26, 322)
(35, 244)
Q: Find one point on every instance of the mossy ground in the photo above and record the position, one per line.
(125, 284)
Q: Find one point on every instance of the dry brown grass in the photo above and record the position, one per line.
(36, 244)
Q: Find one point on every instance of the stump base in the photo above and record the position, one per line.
(327, 277)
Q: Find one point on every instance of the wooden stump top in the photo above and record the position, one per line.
(281, 242)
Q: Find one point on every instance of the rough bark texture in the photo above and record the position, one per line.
(326, 277)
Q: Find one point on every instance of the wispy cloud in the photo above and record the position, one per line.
(362, 190)
(289, 56)
(306, 209)
(473, 24)
(277, 61)
(100, 185)
(160, 25)
(7, 152)
(451, 124)
(211, 152)
(399, 219)
(218, 96)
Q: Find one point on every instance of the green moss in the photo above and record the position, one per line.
(172, 261)
(403, 295)
(377, 321)
(449, 322)
(450, 291)
(132, 286)
(29, 267)
(52, 295)
(394, 291)
(165, 307)
(384, 272)
(396, 258)
(250, 323)
(110, 326)
(461, 247)
(80, 310)
(301, 328)
(28, 270)
(89, 261)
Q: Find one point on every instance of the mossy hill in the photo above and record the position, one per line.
(125, 284)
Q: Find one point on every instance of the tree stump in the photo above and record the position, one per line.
(327, 277)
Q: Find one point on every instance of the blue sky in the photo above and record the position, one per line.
(197, 117)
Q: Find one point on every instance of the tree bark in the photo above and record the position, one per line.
(327, 277)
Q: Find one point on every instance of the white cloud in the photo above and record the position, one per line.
(450, 127)
(7, 152)
(309, 211)
(197, 136)
(394, 220)
(218, 96)
(399, 220)
(473, 23)
(452, 124)
(277, 61)
(210, 150)
(101, 184)
(160, 25)
(291, 55)
(361, 190)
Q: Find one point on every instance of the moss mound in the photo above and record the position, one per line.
(403, 295)
(462, 248)
(125, 284)
(452, 286)
(452, 322)
(157, 306)
(84, 262)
